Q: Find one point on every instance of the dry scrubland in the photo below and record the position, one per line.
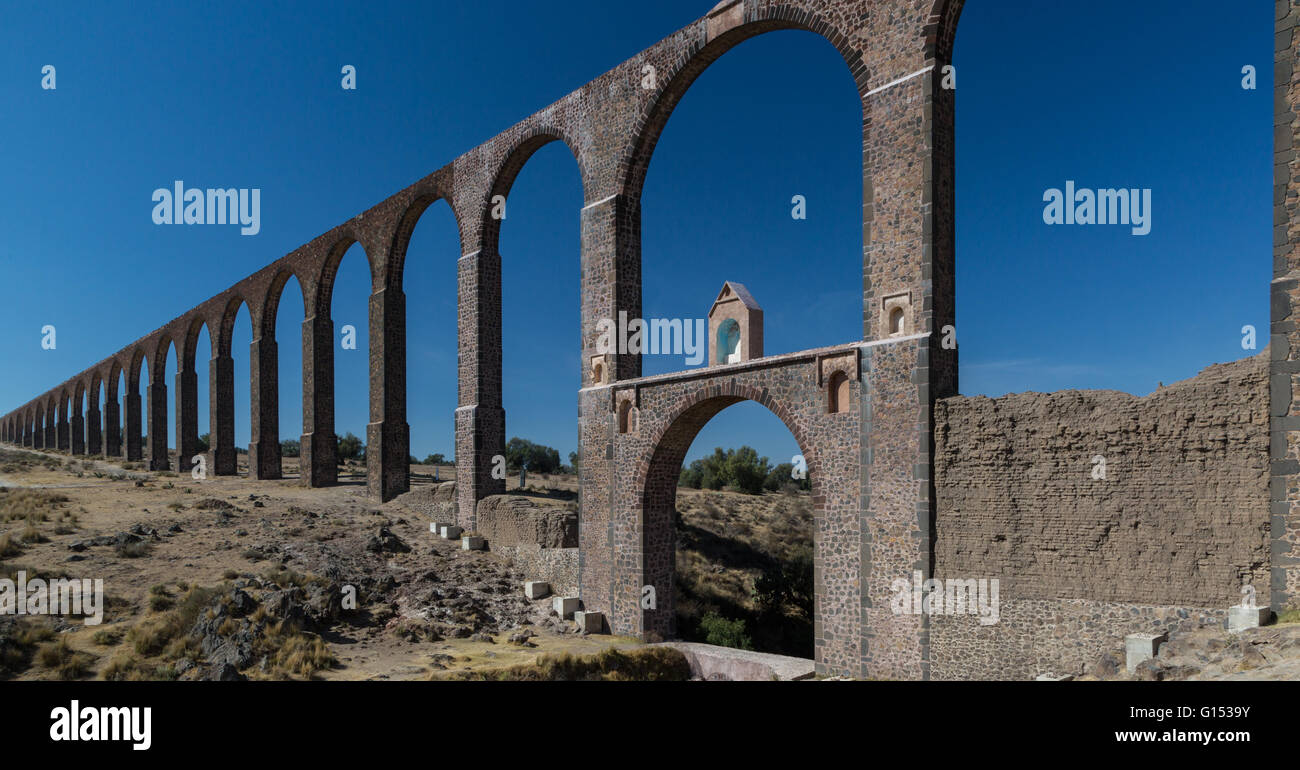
(227, 579)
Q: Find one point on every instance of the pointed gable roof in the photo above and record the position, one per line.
(732, 290)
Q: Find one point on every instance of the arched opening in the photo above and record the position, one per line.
(624, 416)
(288, 312)
(95, 420)
(114, 427)
(729, 342)
(346, 295)
(137, 409)
(169, 396)
(728, 531)
(837, 393)
(792, 231)
(241, 340)
(540, 238)
(429, 280)
(195, 386)
(897, 319)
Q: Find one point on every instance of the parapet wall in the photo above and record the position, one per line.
(1177, 525)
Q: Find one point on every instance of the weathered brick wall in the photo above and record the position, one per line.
(1178, 525)
(512, 520)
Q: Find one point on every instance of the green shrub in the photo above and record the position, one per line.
(725, 633)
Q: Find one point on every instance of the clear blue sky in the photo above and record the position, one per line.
(1107, 93)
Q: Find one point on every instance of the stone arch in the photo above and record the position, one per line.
(323, 285)
(512, 163)
(395, 270)
(274, 292)
(223, 339)
(111, 382)
(656, 489)
(187, 351)
(701, 55)
(158, 365)
(138, 358)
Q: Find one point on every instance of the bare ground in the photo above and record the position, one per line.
(427, 611)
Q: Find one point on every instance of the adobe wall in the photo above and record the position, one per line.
(1179, 523)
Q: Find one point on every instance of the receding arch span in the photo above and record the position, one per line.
(329, 272)
(274, 293)
(673, 87)
(513, 162)
(657, 479)
(396, 268)
(222, 341)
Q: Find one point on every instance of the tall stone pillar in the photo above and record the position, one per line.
(264, 444)
(112, 428)
(158, 456)
(134, 420)
(319, 461)
(388, 437)
(94, 431)
(480, 418)
(1284, 345)
(51, 430)
(63, 432)
(187, 416)
(611, 282)
(78, 434)
(221, 416)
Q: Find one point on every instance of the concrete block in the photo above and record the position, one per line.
(536, 589)
(1140, 647)
(450, 532)
(590, 622)
(472, 543)
(1241, 618)
(565, 606)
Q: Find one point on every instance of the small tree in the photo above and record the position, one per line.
(290, 448)
(350, 447)
(203, 443)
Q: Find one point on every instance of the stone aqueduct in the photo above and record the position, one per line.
(871, 460)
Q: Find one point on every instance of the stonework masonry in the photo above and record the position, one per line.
(876, 513)
(903, 473)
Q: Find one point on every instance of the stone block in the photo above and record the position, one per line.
(450, 532)
(1141, 647)
(537, 589)
(565, 606)
(1241, 618)
(589, 622)
(472, 543)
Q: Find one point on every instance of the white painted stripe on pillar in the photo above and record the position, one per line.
(903, 79)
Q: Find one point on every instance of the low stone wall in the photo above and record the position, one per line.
(1050, 636)
(539, 540)
(514, 520)
(437, 501)
(557, 566)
